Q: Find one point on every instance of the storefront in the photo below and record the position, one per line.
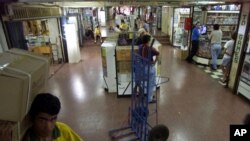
(244, 81)
(36, 30)
(240, 73)
(227, 16)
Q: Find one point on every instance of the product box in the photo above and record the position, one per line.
(181, 54)
(124, 66)
(22, 75)
(123, 53)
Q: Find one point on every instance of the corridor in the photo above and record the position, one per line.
(193, 105)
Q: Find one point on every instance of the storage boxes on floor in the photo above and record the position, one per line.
(22, 75)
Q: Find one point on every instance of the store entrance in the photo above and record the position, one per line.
(40, 37)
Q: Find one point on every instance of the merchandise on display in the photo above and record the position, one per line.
(179, 34)
(227, 17)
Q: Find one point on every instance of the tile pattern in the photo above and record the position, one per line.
(217, 74)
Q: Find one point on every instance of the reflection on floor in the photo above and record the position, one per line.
(191, 104)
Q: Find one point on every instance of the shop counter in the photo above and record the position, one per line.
(203, 55)
(116, 62)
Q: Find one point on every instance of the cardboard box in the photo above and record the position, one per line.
(123, 54)
(22, 75)
(124, 66)
(181, 54)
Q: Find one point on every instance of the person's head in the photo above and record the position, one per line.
(234, 35)
(197, 24)
(247, 119)
(122, 21)
(141, 31)
(145, 39)
(97, 26)
(151, 14)
(216, 27)
(43, 113)
(158, 133)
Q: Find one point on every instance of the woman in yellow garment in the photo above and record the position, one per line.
(43, 115)
(98, 33)
(123, 26)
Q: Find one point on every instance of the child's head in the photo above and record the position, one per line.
(234, 35)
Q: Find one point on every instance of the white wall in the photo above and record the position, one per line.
(167, 15)
(54, 36)
(3, 42)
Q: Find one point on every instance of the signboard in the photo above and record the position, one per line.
(239, 44)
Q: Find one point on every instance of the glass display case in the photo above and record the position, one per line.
(244, 84)
(179, 33)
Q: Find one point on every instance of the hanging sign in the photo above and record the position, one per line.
(239, 44)
(188, 24)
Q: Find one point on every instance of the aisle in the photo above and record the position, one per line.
(193, 105)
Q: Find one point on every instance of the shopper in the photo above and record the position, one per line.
(227, 58)
(195, 42)
(123, 26)
(215, 38)
(146, 26)
(141, 33)
(159, 133)
(98, 33)
(43, 115)
(151, 22)
(149, 52)
(89, 33)
(138, 22)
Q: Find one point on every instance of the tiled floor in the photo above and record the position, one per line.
(217, 74)
(192, 104)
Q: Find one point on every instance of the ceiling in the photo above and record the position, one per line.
(101, 3)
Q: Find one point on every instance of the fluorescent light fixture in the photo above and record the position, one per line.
(208, 2)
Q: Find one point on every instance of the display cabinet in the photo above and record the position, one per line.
(180, 14)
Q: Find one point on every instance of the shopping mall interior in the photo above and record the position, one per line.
(53, 46)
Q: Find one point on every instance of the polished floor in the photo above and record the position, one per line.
(193, 105)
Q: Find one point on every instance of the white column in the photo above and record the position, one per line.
(3, 42)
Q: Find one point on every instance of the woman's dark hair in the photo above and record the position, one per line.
(159, 133)
(44, 103)
(146, 39)
(234, 35)
(216, 27)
